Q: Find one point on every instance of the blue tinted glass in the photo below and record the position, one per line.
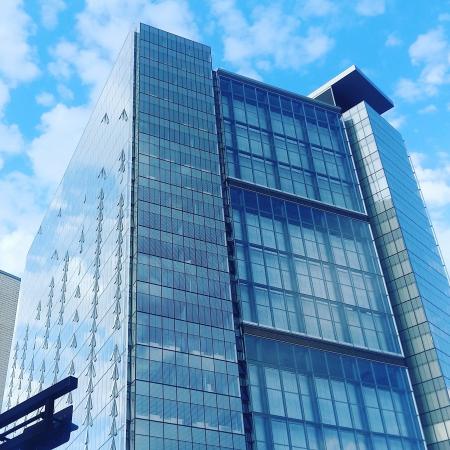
(306, 271)
(184, 319)
(410, 258)
(297, 409)
(286, 143)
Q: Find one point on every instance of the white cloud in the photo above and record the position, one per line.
(11, 140)
(50, 9)
(17, 62)
(370, 7)
(4, 96)
(102, 27)
(409, 90)
(442, 230)
(50, 152)
(444, 17)
(64, 92)
(17, 65)
(317, 8)
(429, 109)
(429, 46)
(395, 119)
(20, 214)
(431, 52)
(434, 182)
(63, 54)
(393, 41)
(45, 99)
(87, 63)
(435, 186)
(270, 38)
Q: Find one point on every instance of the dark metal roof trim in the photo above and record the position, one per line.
(351, 87)
(249, 186)
(320, 344)
(10, 275)
(277, 90)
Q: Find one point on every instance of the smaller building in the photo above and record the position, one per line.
(9, 294)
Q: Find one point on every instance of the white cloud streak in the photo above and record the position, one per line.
(45, 99)
(101, 28)
(435, 186)
(17, 65)
(429, 109)
(370, 7)
(317, 8)
(270, 38)
(50, 10)
(393, 41)
(431, 53)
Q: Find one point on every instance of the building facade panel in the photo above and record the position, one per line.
(73, 306)
(285, 142)
(304, 263)
(309, 271)
(303, 398)
(9, 294)
(185, 381)
(411, 261)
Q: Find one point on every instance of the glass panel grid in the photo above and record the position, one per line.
(413, 268)
(186, 379)
(287, 144)
(308, 271)
(308, 399)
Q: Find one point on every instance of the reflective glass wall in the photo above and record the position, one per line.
(73, 308)
(308, 399)
(284, 143)
(412, 265)
(184, 373)
(305, 270)
(309, 271)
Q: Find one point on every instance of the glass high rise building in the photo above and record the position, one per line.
(9, 293)
(228, 265)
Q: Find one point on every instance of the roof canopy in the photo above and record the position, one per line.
(351, 87)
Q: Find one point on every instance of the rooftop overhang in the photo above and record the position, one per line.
(351, 87)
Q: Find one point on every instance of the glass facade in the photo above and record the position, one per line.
(284, 143)
(209, 271)
(184, 378)
(415, 275)
(304, 270)
(302, 398)
(309, 271)
(72, 314)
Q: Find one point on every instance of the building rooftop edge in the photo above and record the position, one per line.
(281, 91)
(351, 87)
(171, 33)
(9, 275)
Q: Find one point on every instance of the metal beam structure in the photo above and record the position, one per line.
(45, 430)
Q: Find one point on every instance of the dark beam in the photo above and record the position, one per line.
(45, 397)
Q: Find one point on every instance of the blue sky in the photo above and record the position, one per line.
(56, 54)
